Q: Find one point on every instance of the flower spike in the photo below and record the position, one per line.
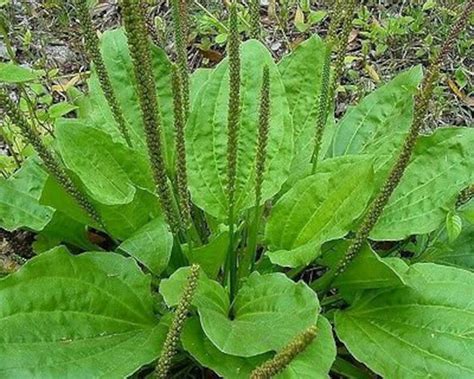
(281, 360)
(180, 30)
(422, 100)
(93, 50)
(181, 173)
(180, 315)
(141, 56)
(50, 161)
(233, 121)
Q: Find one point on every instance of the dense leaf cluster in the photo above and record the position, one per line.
(76, 310)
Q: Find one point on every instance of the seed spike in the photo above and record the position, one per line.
(281, 360)
(263, 129)
(93, 50)
(181, 173)
(51, 162)
(341, 50)
(336, 19)
(325, 95)
(233, 138)
(180, 315)
(141, 57)
(322, 106)
(254, 10)
(422, 100)
(179, 9)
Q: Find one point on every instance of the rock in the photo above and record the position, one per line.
(60, 55)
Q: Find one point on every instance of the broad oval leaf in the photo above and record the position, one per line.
(442, 165)
(77, 316)
(210, 257)
(151, 245)
(301, 75)
(319, 208)
(264, 303)
(109, 170)
(121, 220)
(380, 121)
(206, 135)
(198, 79)
(368, 271)
(314, 363)
(19, 199)
(419, 331)
(119, 66)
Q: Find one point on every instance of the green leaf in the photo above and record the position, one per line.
(121, 220)
(315, 17)
(453, 226)
(316, 361)
(368, 271)
(467, 211)
(19, 199)
(429, 4)
(441, 167)
(417, 331)
(54, 195)
(151, 245)
(206, 135)
(13, 73)
(61, 229)
(196, 343)
(458, 253)
(212, 256)
(378, 124)
(319, 208)
(198, 79)
(119, 66)
(74, 316)
(302, 83)
(264, 303)
(109, 170)
(313, 363)
(60, 109)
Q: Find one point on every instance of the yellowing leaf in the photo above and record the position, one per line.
(372, 73)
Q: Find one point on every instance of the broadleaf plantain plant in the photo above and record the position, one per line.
(290, 244)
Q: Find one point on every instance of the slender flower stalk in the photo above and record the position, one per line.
(261, 155)
(263, 129)
(281, 360)
(325, 100)
(179, 9)
(181, 173)
(341, 48)
(93, 50)
(51, 162)
(337, 14)
(141, 57)
(172, 338)
(254, 11)
(422, 100)
(233, 140)
(322, 106)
